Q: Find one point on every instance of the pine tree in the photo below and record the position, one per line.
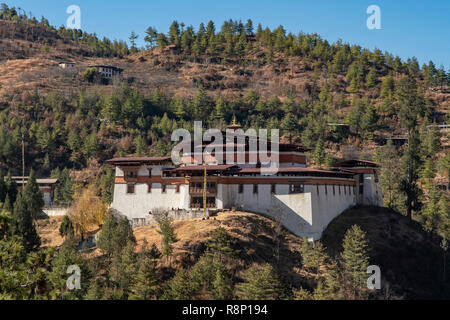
(356, 260)
(389, 159)
(411, 163)
(387, 86)
(22, 224)
(151, 35)
(371, 79)
(220, 109)
(369, 121)
(179, 287)
(261, 283)
(313, 255)
(115, 235)
(66, 228)
(319, 152)
(220, 246)
(123, 268)
(289, 125)
(222, 285)
(11, 187)
(145, 283)
(168, 235)
(33, 196)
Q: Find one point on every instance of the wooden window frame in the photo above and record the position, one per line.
(132, 186)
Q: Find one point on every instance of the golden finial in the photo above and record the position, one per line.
(234, 120)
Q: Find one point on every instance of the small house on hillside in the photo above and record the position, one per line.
(47, 187)
(66, 65)
(107, 71)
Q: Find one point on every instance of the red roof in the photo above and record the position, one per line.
(138, 160)
(300, 170)
(352, 163)
(219, 167)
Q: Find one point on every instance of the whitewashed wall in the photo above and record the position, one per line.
(372, 191)
(327, 206)
(305, 214)
(139, 203)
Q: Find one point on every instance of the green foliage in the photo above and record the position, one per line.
(89, 75)
(168, 235)
(180, 287)
(115, 235)
(356, 260)
(66, 228)
(23, 226)
(33, 196)
(313, 255)
(411, 163)
(222, 285)
(220, 246)
(63, 193)
(261, 283)
(67, 256)
(389, 159)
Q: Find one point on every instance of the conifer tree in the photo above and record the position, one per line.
(319, 152)
(411, 163)
(145, 283)
(168, 235)
(220, 246)
(356, 260)
(22, 224)
(33, 196)
(11, 187)
(261, 283)
(222, 285)
(150, 36)
(179, 287)
(313, 255)
(371, 79)
(66, 228)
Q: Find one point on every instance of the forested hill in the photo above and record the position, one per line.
(299, 83)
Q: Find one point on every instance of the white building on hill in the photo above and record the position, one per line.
(303, 199)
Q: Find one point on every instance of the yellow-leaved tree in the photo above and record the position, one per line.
(87, 212)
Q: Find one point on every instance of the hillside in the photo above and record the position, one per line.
(410, 260)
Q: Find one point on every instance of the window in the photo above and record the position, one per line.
(177, 189)
(163, 188)
(339, 189)
(345, 190)
(317, 189)
(297, 188)
(149, 187)
(326, 189)
(149, 172)
(273, 188)
(131, 174)
(130, 188)
(334, 190)
(255, 188)
(241, 188)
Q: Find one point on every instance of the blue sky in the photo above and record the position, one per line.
(409, 28)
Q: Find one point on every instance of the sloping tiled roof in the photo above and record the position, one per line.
(352, 163)
(138, 160)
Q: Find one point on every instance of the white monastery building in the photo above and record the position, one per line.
(304, 200)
